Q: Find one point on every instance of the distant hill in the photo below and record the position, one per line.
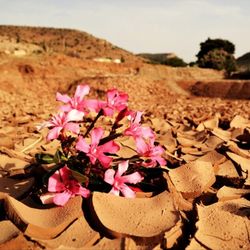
(243, 67)
(68, 41)
(243, 62)
(157, 57)
(163, 58)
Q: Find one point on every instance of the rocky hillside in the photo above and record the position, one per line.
(243, 67)
(158, 57)
(67, 41)
(243, 62)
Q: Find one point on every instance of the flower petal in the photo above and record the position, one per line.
(134, 130)
(137, 117)
(141, 146)
(92, 158)
(104, 160)
(109, 147)
(84, 192)
(109, 176)
(81, 91)
(160, 160)
(61, 199)
(62, 98)
(115, 191)
(65, 174)
(77, 189)
(81, 145)
(122, 168)
(111, 94)
(47, 198)
(66, 108)
(74, 115)
(132, 178)
(147, 133)
(108, 111)
(96, 136)
(54, 133)
(126, 191)
(92, 105)
(158, 150)
(73, 127)
(55, 183)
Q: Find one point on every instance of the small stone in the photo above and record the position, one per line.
(23, 120)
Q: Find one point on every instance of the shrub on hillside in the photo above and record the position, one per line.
(175, 62)
(218, 59)
(211, 44)
(217, 54)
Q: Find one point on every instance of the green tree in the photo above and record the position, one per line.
(217, 54)
(211, 44)
(175, 62)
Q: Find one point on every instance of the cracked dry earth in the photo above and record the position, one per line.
(206, 200)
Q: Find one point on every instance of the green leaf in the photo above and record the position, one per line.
(59, 157)
(79, 177)
(44, 158)
(47, 175)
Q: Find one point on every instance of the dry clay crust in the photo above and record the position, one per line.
(142, 217)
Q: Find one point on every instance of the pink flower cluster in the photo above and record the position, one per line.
(93, 151)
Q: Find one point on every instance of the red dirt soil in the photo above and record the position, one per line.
(206, 141)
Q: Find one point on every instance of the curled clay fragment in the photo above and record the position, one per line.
(141, 217)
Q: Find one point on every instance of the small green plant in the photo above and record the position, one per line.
(175, 62)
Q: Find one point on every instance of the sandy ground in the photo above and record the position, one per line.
(205, 202)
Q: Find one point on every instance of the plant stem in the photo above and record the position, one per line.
(109, 138)
(93, 123)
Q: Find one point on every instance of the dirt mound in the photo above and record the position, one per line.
(232, 89)
(73, 43)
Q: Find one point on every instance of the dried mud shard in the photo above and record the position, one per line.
(78, 234)
(224, 225)
(228, 193)
(8, 231)
(45, 223)
(16, 188)
(141, 217)
(212, 171)
(193, 178)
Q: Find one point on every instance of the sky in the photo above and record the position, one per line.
(139, 26)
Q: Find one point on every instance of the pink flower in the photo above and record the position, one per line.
(62, 122)
(77, 102)
(136, 130)
(148, 149)
(95, 152)
(116, 101)
(61, 187)
(118, 180)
